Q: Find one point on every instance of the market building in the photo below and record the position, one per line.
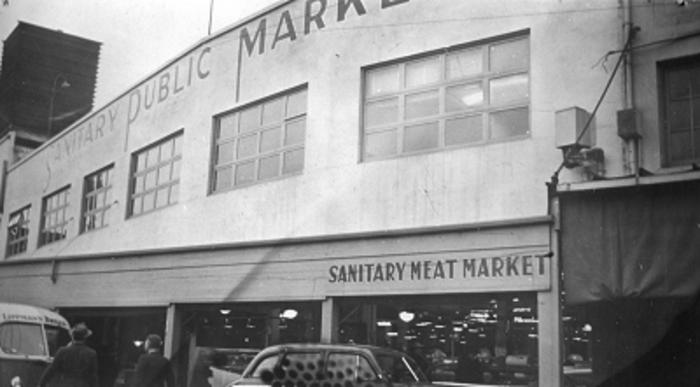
(367, 171)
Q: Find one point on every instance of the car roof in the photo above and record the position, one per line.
(327, 347)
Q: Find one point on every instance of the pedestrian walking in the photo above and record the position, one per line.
(74, 365)
(153, 369)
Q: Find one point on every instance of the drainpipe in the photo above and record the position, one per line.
(628, 80)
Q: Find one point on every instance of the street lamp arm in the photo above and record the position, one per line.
(65, 84)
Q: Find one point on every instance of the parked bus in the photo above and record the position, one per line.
(29, 338)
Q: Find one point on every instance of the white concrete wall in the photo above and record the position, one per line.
(659, 23)
(336, 193)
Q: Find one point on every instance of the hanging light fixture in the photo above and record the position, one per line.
(406, 316)
(289, 314)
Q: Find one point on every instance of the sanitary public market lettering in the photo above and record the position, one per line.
(314, 16)
(440, 269)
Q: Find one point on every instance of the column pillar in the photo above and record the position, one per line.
(172, 340)
(549, 335)
(329, 321)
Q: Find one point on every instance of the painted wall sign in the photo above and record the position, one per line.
(170, 82)
(316, 14)
(120, 114)
(510, 271)
(84, 135)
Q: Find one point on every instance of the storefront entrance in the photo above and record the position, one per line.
(464, 338)
(118, 335)
(219, 340)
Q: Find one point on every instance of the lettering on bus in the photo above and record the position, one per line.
(21, 317)
(316, 14)
(510, 266)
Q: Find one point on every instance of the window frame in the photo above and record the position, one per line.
(177, 139)
(664, 69)
(359, 378)
(101, 211)
(62, 208)
(280, 151)
(484, 110)
(22, 241)
(29, 331)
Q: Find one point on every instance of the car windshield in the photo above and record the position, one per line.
(400, 369)
(22, 339)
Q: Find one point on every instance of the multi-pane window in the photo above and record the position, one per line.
(155, 175)
(259, 142)
(97, 199)
(54, 217)
(462, 96)
(681, 104)
(18, 231)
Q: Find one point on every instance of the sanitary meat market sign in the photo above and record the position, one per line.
(441, 274)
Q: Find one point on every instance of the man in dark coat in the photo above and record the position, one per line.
(74, 365)
(153, 369)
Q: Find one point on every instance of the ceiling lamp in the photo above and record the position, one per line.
(407, 316)
(289, 314)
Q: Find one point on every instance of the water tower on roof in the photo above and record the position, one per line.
(47, 82)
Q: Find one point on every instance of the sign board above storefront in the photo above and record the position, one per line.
(441, 273)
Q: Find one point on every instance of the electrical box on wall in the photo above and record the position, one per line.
(628, 124)
(569, 123)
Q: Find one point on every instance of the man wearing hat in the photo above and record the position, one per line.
(74, 365)
(153, 369)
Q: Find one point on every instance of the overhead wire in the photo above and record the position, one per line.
(632, 31)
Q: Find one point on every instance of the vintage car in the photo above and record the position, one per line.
(337, 364)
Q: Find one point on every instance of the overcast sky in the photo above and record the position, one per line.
(137, 36)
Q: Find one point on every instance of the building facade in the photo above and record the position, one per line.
(367, 171)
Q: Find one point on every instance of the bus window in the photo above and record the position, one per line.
(22, 339)
(56, 338)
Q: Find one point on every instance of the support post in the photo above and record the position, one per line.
(329, 321)
(549, 304)
(173, 335)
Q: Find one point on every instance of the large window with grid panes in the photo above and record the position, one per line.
(155, 175)
(18, 231)
(54, 217)
(97, 199)
(259, 142)
(466, 95)
(681, 110)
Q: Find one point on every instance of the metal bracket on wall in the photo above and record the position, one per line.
(54, 271)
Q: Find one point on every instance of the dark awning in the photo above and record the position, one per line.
(641, 241)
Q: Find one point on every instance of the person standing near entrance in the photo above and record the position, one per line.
(74, 365)
(153, 369)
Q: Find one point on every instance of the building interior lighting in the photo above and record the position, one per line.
(289, 314)
(225, 312)
(383, 323)
(406, 316)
